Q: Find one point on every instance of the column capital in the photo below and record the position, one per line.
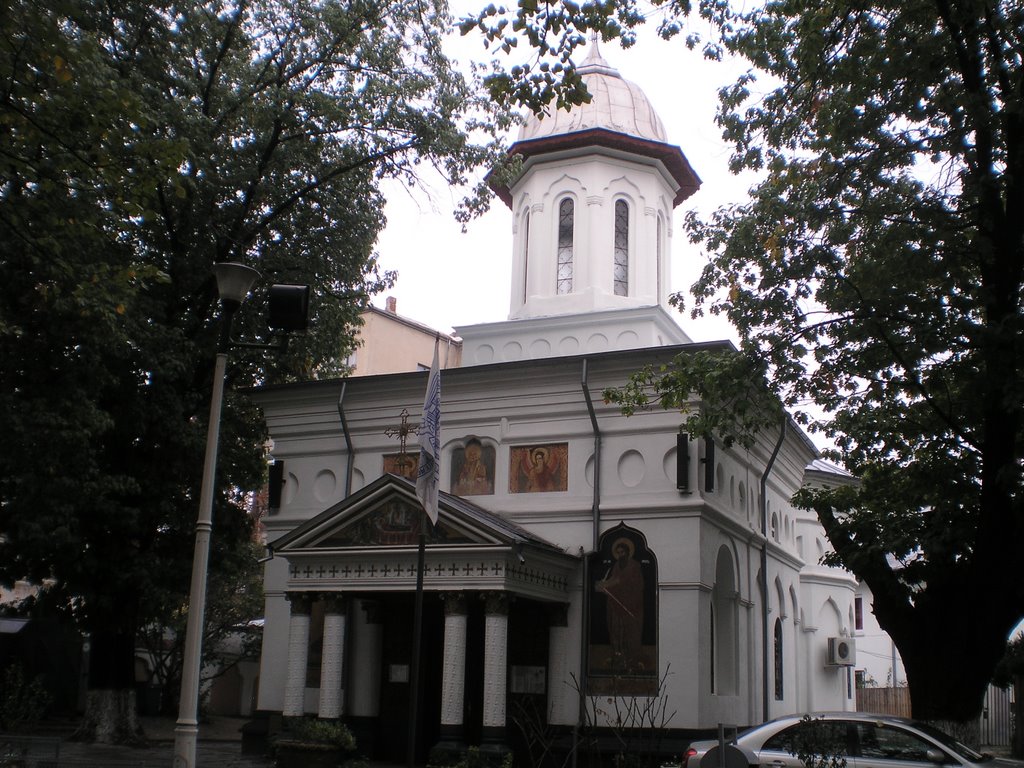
(495, 603)
(454, 603)
(334, 602)
(301, 602)
(558, 614)
(373, 610)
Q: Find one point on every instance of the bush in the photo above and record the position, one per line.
(22, 702)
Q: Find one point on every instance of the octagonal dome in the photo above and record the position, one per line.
(616, 105)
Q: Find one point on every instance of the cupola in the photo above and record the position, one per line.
(592, 221)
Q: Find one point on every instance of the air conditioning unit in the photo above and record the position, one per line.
(842, 652)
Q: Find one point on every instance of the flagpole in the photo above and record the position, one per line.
(417, 649)
(428, 477)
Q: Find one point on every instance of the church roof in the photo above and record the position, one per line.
(368, 543)
(619, 119)
(459, 521)
(616, 104)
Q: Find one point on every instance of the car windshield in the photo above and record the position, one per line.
(962, 750)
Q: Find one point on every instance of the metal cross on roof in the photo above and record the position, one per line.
(402, 432)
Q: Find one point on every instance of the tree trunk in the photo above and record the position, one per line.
(110, 712)
(111, 718)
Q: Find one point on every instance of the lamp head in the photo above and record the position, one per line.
(233, 282)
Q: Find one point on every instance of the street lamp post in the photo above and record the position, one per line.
(233, 284)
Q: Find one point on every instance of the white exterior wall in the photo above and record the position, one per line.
(531, 403)
(594, 181)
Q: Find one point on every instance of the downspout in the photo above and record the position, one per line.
(350, 462)
(596, 505)
(763, 500)
(596, 514)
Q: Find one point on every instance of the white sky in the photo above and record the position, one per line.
(447, 278)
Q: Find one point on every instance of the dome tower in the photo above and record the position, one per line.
(592, 221)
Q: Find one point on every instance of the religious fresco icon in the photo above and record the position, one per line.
(539, 468)
(624, 615)
(473, 468)
(402, 464)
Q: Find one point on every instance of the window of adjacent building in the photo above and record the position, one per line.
(621, 248)
(858, 613)
(566, 212)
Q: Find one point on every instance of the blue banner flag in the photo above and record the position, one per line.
(429, 476)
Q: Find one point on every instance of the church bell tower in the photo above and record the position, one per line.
(592, 221)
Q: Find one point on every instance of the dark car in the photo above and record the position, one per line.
(849, 740)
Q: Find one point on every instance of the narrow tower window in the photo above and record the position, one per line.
(621, 248)
(526, 256)
(565, 233)
(660, 239)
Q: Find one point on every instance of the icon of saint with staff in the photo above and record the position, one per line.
(623, 588)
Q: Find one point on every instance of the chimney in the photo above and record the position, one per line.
(391, 305)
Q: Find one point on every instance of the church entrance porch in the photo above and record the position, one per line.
(492, 593)
(484, 664)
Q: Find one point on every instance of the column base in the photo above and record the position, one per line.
(493, 749)
(450, 750)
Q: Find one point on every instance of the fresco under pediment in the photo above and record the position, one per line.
(395, 522)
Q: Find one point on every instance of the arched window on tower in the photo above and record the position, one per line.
(659, 245)
(621, 248)
(526, 256)
(565, 235)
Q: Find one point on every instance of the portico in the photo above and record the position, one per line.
(351, 579)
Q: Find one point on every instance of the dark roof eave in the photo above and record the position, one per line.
(671, 157)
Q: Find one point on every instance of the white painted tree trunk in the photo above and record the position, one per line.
(110, 717)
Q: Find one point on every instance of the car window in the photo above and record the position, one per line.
(812, 738)
(950, 743)
(890, 743)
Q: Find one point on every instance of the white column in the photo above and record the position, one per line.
(560, 690)
(495, 665)
(453, 682)
(365, 660)
(298, 655)
(332, 696)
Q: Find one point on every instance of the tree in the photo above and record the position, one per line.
(140, 144)
(875, 276)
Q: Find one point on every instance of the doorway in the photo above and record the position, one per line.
(392, 737)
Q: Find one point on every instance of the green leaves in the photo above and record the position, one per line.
(875, 278)
(141, 144)
(719, 392)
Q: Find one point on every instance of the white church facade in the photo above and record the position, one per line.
(580, 556)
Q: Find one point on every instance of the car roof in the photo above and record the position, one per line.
(840, 715)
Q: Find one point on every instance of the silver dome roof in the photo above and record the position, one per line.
(616, 105)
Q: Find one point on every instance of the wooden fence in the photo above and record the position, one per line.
(884, 701)
(995, 727)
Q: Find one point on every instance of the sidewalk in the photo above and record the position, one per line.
(220, 746)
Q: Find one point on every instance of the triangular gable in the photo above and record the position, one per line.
(387, 513)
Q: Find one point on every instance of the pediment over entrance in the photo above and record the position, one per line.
(369, 542)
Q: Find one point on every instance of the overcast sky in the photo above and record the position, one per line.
(448, 279)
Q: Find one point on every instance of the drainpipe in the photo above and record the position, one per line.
(596, 512)
(350, 462)
(764, 568)
(596, 506)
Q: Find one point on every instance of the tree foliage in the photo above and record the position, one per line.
(875, 273)
(139, 144)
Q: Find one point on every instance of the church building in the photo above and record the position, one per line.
(584, 562)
